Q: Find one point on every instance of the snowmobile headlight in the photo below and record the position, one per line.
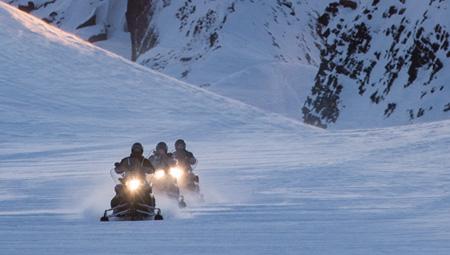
(176, 172)
(159, 174)
(133, 184)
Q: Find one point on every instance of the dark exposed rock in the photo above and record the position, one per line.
(213, 39)
(185, 59)
(407, 49)
(51, 17)
(420, 113)
(392, 10)
(92, 21)
(206, 22)
(324, 19)
(332, 8)
(288, 4)
(47, 20)
(390, 109)
(423, 55)
(447, 107)
(348, 4)
(27, 8)
(232, 8)
(411, 114)
(143, 35)
(98, 37)
(32, 6)
(184, 12)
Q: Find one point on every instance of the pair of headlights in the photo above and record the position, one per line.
(134, 183)
(174, 172)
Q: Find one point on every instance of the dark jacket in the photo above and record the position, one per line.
(164, 162)
(185, 158)
(138, 164)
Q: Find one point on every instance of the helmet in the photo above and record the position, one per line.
(137, 148)
(180, 143)
(162, 146)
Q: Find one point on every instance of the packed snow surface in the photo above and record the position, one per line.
(69, 110)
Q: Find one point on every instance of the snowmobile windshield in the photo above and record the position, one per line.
(179, 164)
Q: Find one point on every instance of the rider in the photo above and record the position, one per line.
(161, 158)
(185, 158)
(135, 163)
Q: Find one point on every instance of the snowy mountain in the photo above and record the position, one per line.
(336, 64)
(69, 109)
(260, 52)
(150, 97)
(382, 63)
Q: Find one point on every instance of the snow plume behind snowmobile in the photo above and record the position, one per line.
(188, 182)
(164, 182)
(177, 180)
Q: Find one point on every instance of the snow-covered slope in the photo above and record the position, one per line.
(68, 110)
(260, 52)
(102, 85)
(382, 63)
(100, 21)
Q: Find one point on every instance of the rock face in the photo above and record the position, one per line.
(143, 36)
(385, 59)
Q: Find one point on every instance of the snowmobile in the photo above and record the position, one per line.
(165, 182)
(187, 181)
(135, 201)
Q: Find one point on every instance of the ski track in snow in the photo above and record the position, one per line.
(272, 186)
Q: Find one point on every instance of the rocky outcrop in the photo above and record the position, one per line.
(381, 51)
(32, 6)
(143, 35)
